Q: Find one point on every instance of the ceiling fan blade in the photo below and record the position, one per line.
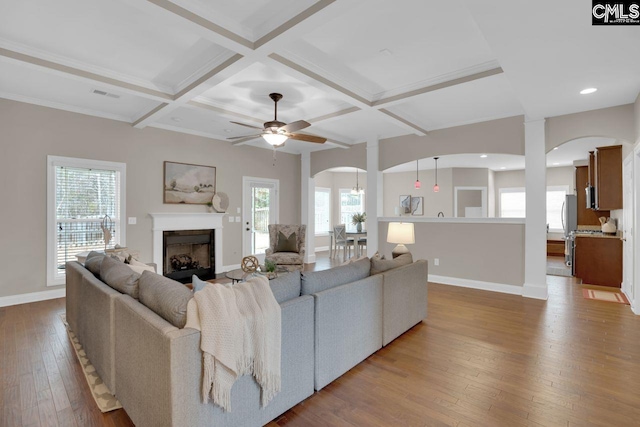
(294, 126)
(245, 136)
(249, 126)
(307, 138)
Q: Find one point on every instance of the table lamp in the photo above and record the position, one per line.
(401, 233)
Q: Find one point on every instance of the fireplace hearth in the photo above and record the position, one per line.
(189, 252)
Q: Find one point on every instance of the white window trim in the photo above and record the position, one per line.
(54, 279)
(328, 190)
(348, 190)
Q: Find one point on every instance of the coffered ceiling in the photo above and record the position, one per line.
(352, 68)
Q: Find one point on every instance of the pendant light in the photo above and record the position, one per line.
(417, 184)
(357, 189)
(436, 188)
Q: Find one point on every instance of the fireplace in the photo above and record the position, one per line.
(206, 223)
(189, 252)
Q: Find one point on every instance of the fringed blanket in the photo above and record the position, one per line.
(240, 334)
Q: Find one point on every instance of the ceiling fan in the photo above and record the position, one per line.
(276, 132)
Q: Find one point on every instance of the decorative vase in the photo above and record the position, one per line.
(359, 227)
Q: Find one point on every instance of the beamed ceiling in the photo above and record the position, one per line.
(352, 68)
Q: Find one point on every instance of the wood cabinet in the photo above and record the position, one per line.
(585, 216)
(555, 247)
(598, 260)
(608, 177)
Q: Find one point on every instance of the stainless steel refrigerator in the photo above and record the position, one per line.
(570, 224)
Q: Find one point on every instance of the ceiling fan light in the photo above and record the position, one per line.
(274, 138)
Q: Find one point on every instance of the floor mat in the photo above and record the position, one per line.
(104, 399)
(617, 297)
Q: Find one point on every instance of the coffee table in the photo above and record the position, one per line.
(238, 275)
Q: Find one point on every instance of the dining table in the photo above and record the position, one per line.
(355, 234)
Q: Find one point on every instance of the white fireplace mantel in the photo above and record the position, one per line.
(186, 221)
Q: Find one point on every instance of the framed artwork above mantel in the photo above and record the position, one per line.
(188, 184)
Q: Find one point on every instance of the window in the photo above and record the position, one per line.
(323, 210)
(350, 204)
(555, 202)
(80, 193)
(513, 204)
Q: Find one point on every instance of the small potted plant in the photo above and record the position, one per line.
(270, 268)
(209, 206)
(357, 219)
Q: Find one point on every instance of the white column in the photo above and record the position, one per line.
(535, 256)
(373, 197)
(308, 206)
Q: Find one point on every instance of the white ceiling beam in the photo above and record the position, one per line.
(185, 95)
(54, 67)
(400, 98)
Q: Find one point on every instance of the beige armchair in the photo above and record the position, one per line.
(284, 250)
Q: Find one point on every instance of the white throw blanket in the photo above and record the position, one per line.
(240, 334)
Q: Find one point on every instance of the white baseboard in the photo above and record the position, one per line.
(633, 306)
(32, 297)
(477, 284)
(322, 249)
(535, 291)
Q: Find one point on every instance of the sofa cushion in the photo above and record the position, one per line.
(287, 244)
(286, 286)
(165, 297)
(379, 265)
(119, 276)
(93, 262)
(315, 281)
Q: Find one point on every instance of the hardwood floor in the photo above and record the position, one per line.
(480, 359)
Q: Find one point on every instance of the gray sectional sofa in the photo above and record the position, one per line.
(331, 321)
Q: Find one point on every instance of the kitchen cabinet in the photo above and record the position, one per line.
(586, 216)
(598, 260)
(608, 177)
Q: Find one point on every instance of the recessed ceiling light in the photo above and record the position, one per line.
(483, 156)
(588, 90)
(176, 119)
(503, 167)
(556, 164)
(555, 148)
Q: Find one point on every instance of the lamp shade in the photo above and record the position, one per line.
(401, 233)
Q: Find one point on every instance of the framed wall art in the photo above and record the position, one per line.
(405, 205)
(417, 206)
(188, 184)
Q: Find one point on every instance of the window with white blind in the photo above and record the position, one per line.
(350, 204)
(323, 210)
(82, 197)
(513, 204)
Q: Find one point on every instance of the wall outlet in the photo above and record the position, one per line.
(238, 210)
(231, 219)
(132, 220)
(436, 261)
(238, 219)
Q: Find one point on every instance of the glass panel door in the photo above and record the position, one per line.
(260, 210)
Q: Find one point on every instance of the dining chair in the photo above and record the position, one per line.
(362, 244)
(341, 240)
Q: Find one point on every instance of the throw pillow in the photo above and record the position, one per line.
(139, 267)
(119, 276)
(379, 265)
(94, 262)
(287, 244)
(286, 286)
(197, 283)
(313, 282)
(165, 297)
